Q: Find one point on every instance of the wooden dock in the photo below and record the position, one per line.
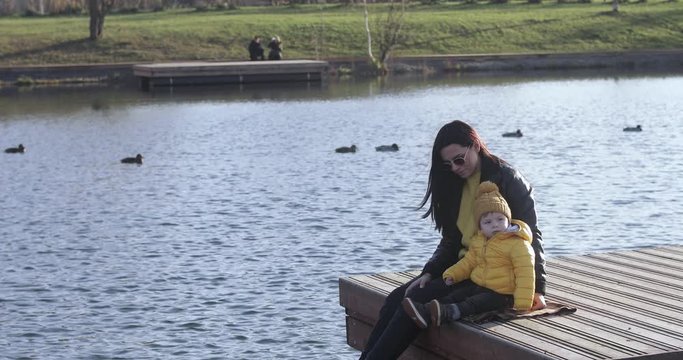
(629, 306)
(239, 72)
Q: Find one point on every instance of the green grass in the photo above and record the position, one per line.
(334, 31)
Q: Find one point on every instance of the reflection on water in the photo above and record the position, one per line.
(72, 97)
(228, 241)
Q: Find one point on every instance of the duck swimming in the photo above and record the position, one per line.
(392, 147)
(346, 149)
(517, 133)
(16, 150)
(633, 128)
(133, 160)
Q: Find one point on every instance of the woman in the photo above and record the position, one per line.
(275, 46)
(460, 162)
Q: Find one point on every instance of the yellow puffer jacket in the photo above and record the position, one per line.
(504, 264)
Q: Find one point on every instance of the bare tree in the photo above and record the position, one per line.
(368, 32)
(389, 34)
(98, 9)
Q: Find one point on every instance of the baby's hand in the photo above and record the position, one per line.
(448, 281)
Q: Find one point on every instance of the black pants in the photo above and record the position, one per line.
(395, 331)
(256, 54)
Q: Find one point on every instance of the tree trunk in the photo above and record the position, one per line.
(615, 6)
(98, 9)
(367, 31)
(95, 28)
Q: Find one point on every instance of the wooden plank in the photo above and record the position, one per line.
(601, 265)
(622, 334)
(617, 310)
(666, 252)
(617, 292)
(551, 344)
(358, 331)
(468, 341)
(362, 297)
(439, 344)
(399, 278)
(224, 72)
(651, 260)
(238, 72)
(616, 322)
(231, 68)
(629, 307)
(575, 342)
(676, 355)
(571, 271)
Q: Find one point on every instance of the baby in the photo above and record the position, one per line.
(496, 273)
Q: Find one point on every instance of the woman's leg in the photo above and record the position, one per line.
(459, 292)
(392, 335)
(434, 289)
(391, 304)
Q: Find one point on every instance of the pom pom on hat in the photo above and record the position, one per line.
(488, 200)
(487, 187)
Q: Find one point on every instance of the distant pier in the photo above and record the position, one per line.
(629, 306)
(238, 72)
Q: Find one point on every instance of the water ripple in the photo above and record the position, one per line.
(229, 241)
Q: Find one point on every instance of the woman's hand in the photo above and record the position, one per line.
(539, 302)
(449, 281)
(421, 282)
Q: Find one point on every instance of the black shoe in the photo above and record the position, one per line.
(442, 313)
(416, 311)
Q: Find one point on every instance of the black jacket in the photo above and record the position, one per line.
(255, 50)
(518, 193)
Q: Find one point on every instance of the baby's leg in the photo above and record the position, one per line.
(483, 300)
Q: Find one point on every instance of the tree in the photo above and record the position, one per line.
(389, 33)
(98, 9)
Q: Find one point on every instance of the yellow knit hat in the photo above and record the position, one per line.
(488, 200)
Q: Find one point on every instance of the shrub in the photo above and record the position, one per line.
(31, 13)
(24, 80)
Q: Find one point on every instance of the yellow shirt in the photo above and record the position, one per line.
(466, 222)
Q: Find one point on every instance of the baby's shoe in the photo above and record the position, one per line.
(442, 313)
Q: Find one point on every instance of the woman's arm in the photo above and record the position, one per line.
(519, 195)
(445, 255)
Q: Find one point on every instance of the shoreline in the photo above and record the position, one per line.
(122, 73)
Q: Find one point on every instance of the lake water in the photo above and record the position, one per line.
(229, 241)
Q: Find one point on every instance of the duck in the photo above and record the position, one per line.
(133, 160)
(346, 149)
(392, 147)
(16, 150)
(633, 128)
(517, 133)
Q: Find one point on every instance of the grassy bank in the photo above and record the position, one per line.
(333, 31)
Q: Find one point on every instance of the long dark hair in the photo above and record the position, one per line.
(445, 188)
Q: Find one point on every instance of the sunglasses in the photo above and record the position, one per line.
(457, 161)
